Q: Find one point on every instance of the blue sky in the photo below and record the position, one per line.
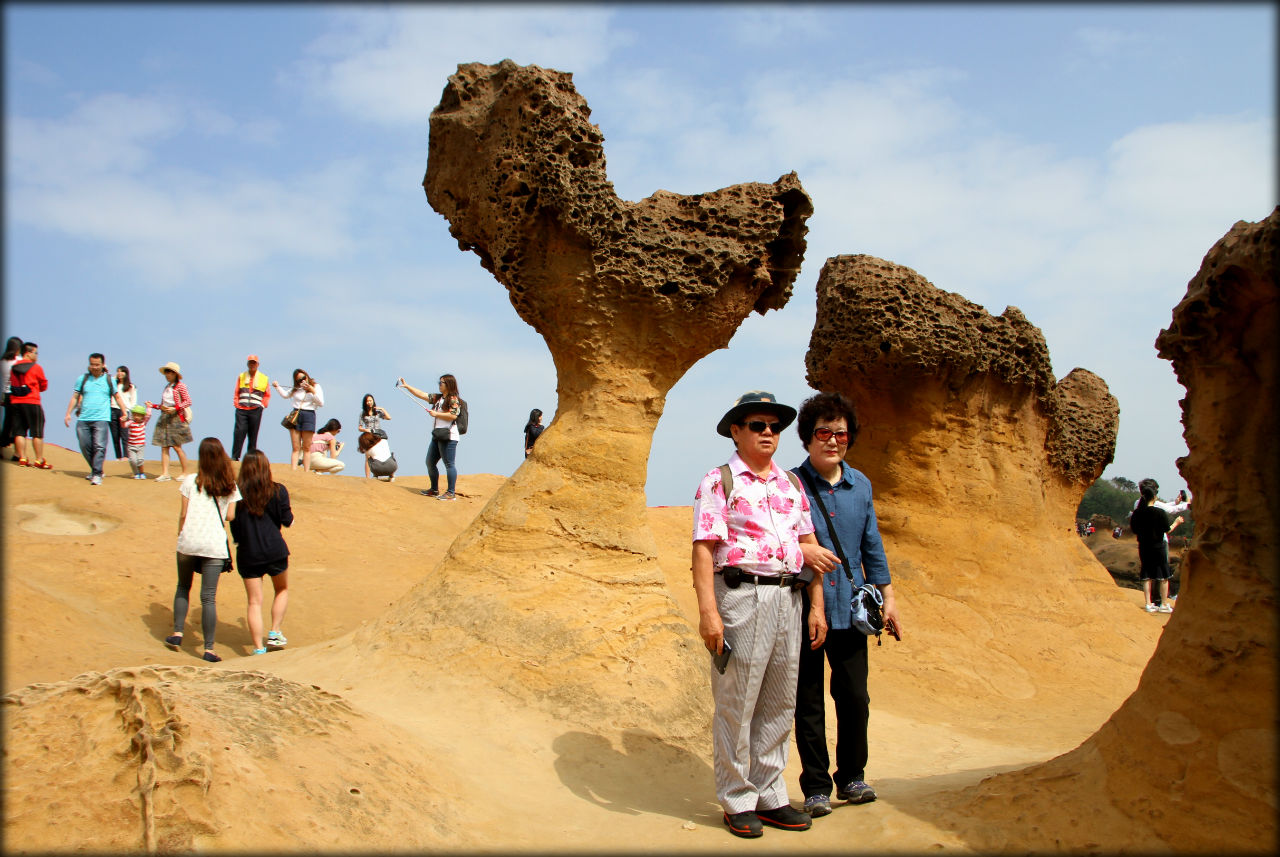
(194, 183)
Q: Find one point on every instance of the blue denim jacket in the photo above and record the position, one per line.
(849, 504)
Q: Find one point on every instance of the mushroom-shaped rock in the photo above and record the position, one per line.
(977, 460)
(554, 593)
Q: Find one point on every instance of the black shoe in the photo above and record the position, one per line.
(786, 817)
(856, 792)
(744, 824)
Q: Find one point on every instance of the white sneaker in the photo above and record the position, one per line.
(164, 477)
(1164, 608)
(95, 480)
(1150, 608)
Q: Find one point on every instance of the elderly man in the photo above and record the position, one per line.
(750, 518)
(252, 395)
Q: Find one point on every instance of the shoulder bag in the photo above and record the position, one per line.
(868, 603)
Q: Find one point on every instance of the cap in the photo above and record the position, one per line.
(252, 358)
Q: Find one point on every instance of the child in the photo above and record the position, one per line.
(378, 457)
(137, 440)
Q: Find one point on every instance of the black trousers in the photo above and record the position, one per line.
(247, 422)
(846, 650)
(117, 442)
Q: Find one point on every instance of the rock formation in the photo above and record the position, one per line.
(978, 460)
(1188, 762)
(557, 578)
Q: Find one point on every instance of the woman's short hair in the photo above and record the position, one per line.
(826, 406)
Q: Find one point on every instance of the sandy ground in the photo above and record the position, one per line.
(88, 588)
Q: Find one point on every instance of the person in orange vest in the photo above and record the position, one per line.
(252, 396)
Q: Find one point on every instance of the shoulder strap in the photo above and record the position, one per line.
(822, 507)
(726, 482)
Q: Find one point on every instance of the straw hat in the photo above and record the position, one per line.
(172, 367)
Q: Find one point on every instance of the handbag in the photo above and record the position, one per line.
(867, 602)
(291, 419)
(226, 563)
(441, 434)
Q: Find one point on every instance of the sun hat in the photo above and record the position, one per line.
(252, 358)
(172, 367)
(138, 409)
(755, 402)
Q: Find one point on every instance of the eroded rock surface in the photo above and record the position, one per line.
(557, 582)
(978, 460)
(177, 759)
(1188, 762)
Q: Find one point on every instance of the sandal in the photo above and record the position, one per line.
(43, 464)
(22, 462)
(173, 641)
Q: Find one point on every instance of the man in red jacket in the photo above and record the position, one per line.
(26, 410)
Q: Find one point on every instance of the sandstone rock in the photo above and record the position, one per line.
(978, 461)
(1188, 762)
(556, 582)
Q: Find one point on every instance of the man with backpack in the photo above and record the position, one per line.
(91, 400)
(750, 519)
(26, 415)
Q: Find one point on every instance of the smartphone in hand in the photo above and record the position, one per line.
(721, 660)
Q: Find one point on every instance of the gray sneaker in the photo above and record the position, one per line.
(817, 805)
(856, 792)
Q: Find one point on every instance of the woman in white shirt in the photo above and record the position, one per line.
(379, 460)
(306, 396)
(208, 496)
(129, 396)
(446, 406)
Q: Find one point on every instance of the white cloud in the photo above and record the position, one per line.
(391, 68)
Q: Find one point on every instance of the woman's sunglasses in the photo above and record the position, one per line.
(825, 434)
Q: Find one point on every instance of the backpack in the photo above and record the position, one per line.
(19, 390)
(111, 389)
(461, 421)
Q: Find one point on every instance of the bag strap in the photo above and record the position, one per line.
(218, 509)
(831, 530)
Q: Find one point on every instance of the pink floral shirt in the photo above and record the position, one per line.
(761, 533)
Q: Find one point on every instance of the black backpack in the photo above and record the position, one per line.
(19, 371)
(461, 421)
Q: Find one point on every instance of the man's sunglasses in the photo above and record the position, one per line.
(758, 426)
(825, 434)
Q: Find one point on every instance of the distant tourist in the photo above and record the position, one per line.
(379, 460)
(26, 382)
(91, 401)
(447, 407)
(371, 416)
(173, 428)
(252, 395)
(203, 546)
(12, 354)
(1117, 533)
(1151, 525)
(532, 429)
(305, 396)
(325, 448)
(119, 416)
(747, 563)
(841, 497)
(260, 547)
(136, 439)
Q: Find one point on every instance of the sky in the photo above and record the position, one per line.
(194, 183)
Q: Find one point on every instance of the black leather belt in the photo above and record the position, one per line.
(733, 577)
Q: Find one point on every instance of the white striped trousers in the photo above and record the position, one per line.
(755, 699)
